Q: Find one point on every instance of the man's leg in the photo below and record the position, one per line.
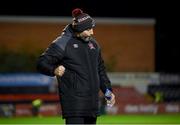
(90, 120)
(74, 120)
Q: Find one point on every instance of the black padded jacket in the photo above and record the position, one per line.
(84, 73)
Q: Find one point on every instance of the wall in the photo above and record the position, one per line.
(125, 47)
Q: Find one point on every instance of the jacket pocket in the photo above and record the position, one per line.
(69, 79)
(82, 86)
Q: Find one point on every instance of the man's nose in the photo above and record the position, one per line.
(91, 31)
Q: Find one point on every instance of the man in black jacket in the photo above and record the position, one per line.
(75, 59)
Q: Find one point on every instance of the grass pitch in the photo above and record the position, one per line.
(106, 119)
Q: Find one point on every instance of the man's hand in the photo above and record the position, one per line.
(111, 102)
(59, 71)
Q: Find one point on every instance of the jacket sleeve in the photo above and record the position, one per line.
(49, 60)
(104, 80)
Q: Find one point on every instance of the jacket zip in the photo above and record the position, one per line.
(91, 75)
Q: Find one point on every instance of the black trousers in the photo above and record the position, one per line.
(81, 120)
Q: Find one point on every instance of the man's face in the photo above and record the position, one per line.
(86, 34)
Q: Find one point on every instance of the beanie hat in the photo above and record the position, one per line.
(81, 21)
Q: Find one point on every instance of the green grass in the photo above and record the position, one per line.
(106, 119)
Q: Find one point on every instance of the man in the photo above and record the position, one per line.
(75, 59)
(36, 104)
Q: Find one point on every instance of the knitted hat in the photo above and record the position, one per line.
(81, 21)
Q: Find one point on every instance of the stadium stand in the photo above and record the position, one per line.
(135, 94)
(170, 92)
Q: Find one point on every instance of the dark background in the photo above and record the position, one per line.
(166, 14)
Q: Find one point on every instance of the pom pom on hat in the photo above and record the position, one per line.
(76, 12)
(81, 21)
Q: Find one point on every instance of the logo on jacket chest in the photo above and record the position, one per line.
(75, 45)
(91, 46)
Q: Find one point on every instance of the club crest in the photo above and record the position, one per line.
(91, 46)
